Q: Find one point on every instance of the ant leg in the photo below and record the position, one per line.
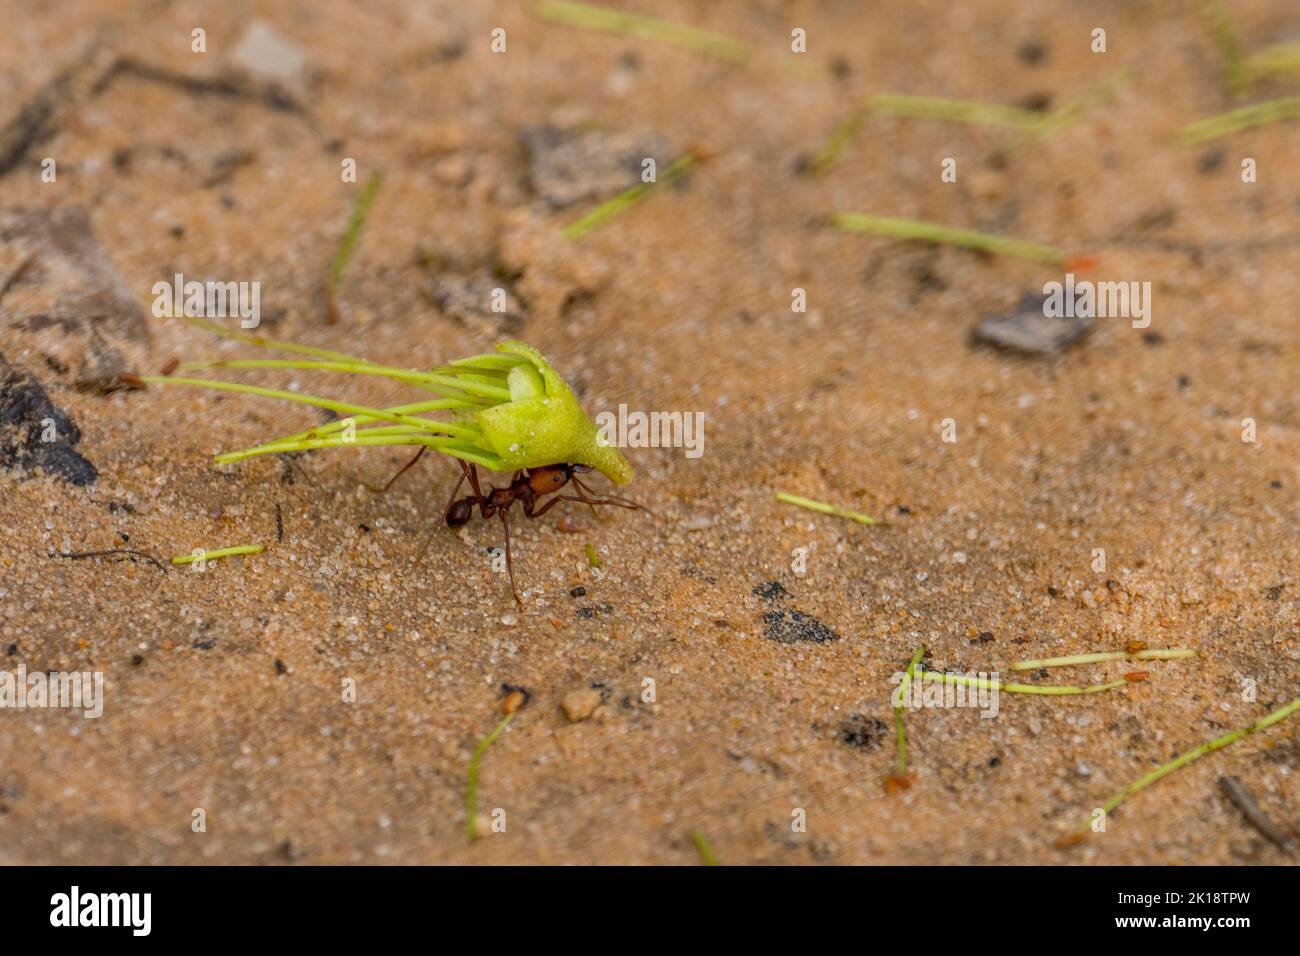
(471, 472)
(618, 502)
(401, 471)
(428, 540)
(452, 500)
(534, 512)
(583, 491)
(510, 568)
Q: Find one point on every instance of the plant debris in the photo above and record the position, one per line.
(1236, 791)
(215, 555)
(823, 508)
(634, 24)
(1181, 761)
(625, 201)
(1140, 654)
(510, 707)
(348, 243)
(125, 554)
(900, 695)
(933, 232)
(988, 683)
(65, 299)
(703, 849)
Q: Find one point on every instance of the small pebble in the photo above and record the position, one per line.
(580, 704)
(1027, 330)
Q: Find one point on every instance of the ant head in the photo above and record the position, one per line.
(459, 513)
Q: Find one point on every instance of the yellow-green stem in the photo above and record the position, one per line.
(901, 693)
(626, 200)
(218, 553)
(621, 22)
(1246, 117)
(1167, 654)
(1203, 750)
(823, 508)
(988, 683)
(934, 232)
(703, 849)
(471, 787)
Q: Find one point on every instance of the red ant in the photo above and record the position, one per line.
(527, 486)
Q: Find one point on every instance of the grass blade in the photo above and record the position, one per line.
(988, 683)
(591, 17)
(1245, 117)
(1192, 755)
(471, 786)
(218, 553)
(956, 111)
(1167, 654)
(900, 696)
(823, 508)
(933, 232)
(703, 849)
(626, 200)
(353, 232)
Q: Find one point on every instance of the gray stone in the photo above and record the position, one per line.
(567, 167)
(1028, 331)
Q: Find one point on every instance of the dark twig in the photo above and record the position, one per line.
(1236, 791)
(126, 553)
(269, 95)
(15, 275)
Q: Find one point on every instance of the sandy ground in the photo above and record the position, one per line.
(224, 688)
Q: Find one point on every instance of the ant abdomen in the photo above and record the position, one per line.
(459, 513)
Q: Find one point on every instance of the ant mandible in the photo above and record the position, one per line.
(527, 486)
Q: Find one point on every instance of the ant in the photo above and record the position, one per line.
(527, 487)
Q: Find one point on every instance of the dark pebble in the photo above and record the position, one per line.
(24, 407)
(787, 626)
(866, 733)
(1210, 160)
(771, 591)
(1031, 53)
